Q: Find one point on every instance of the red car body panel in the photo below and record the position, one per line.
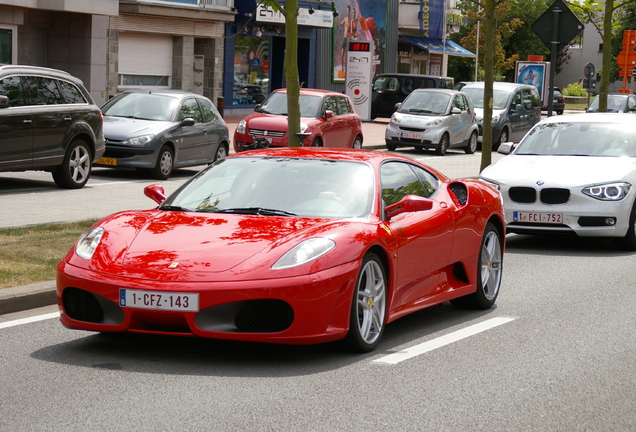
(337, 131)
(227, 259)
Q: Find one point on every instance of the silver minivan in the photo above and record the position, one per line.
(516, 108)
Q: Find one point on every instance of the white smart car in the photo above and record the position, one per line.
(571, 174)
(436, 119)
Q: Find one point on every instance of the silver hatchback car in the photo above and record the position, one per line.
(436, 119)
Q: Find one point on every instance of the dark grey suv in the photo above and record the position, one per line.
(49, 122)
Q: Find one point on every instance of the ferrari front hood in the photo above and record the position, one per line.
(207, 242)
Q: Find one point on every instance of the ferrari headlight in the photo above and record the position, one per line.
(138, 141)
(608, 192)
(241, 127)
(304, 252)
(88, 242)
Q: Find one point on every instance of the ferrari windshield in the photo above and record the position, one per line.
(270, 186)
(141, 106)
(276, 103)
(580, 139)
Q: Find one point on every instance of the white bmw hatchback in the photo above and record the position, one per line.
(574, 173)
(436, 119)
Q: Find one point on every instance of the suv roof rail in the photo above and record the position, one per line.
(33, 68)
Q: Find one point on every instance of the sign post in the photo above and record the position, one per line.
(359, 76)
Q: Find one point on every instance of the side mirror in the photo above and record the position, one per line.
(517, 108)
(456, 110)
(256, 107)
(155, 192)
(328, 114)
(187, 122)
(4, 102)
(398, 105)
(505, 148)
(408, 204)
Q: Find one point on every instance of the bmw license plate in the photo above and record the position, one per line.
(158, 300)
(410, 135)
(538, 217)
(107, 161)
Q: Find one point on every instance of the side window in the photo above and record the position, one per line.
(343, 105)
(429, 181)
(459, 102)
(42, 91)
(70, 93)
(530, 101)
(632, 103)
(407, 85)
(11, 87)
(331, 104)
(398, 180)
(393, 84)
(190, 109)
(209, 112)
(516, 100)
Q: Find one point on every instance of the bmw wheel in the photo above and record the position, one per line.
(443, 145)
(76, 166)
(165, 163)
(368, 308)
(472, 144)
(629, 241)
(489, 271)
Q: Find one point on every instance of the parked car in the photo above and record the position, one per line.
(248, 94)
(616, 103)
(436, 119)
(328, 120)
(558, 102)
(161, 130)
(289, 245)
(48, 122)
(390, 89)
(516, 108)
(571, 174)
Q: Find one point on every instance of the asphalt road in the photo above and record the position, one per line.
(565, 361)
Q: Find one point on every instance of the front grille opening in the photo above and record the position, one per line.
(264, 316)
(460, 191)
(555, 195)
(81, 305)
(521, 194)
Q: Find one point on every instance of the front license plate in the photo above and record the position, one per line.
(534, 217)
(170, 301)
(410, 135)
(107, 161)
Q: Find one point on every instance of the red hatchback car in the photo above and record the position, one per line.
(327, 117)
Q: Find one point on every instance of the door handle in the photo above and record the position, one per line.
(68, 119)
(27, 121)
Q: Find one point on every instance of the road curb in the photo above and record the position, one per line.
(25, 297)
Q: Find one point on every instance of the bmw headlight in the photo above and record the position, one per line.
(608, 192)
(88, 242)
(241, 127)
(490, 183)
(138, 141)
(304, 252)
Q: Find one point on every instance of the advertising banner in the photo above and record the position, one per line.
(432, 18)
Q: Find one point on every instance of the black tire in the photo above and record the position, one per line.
(443, 145)
(165, 164)
(503, 137)
(368, 306)
(317, 142)
(76, 166)
(221, 152)
(559, 112)
(472, 144)
(629, 241)
(489, 272)
(357, 143)
(390, 147)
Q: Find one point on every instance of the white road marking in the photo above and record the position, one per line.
(29, 320)
(441, 341)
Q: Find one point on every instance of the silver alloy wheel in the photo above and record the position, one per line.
(472, 144)
(491, 265)
(80, 164)
(165, 163)
(357, 143)
(371, 302)
(221, 153)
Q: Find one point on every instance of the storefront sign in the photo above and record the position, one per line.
(432, 18)
(319, 18)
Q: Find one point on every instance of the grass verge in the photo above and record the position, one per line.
(30, 254)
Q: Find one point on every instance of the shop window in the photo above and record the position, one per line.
(251, 69)
(8, 44)
(144, 80)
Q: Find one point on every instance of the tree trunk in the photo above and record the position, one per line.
(489, 76)
(292, 80)
(607, 56)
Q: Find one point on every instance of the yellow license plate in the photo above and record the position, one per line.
(106, 161)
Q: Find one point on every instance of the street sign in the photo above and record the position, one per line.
(626, 59)
(589, 70)
(589, 84)
(568, 27)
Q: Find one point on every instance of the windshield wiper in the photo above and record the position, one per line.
(420, 110)
(175, 208)
(257, 211)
